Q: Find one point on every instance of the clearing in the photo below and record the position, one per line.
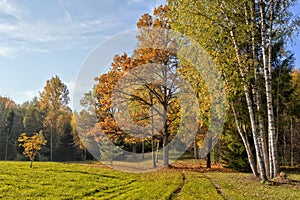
(94, 181)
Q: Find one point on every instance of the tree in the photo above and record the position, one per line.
(66, 148)
(146, 99)
(32, 145)
(53, 101)
(8, 128)
(6, 122)
(242, 34)
(33, 119)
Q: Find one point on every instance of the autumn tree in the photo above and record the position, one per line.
(32, 145)
(157, 103)
(53, 101)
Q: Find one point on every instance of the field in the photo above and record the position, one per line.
(94, 181)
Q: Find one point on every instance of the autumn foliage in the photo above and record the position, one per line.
(32, 145)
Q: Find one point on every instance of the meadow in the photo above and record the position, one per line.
(94, 181)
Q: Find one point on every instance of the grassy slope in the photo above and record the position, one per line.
(74, 181)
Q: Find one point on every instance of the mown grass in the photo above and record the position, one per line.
(73, 181)
(93, 181)
(197, 186)
(244, 186)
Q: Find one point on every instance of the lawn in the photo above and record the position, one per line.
(93, 181)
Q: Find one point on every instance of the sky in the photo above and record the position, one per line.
(41, 39)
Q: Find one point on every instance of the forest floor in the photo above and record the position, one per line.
(185, 179)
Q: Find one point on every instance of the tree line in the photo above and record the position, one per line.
(48, 113)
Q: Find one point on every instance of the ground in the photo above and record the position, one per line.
(94, 181)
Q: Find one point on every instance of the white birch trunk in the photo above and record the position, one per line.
(256, 136)
(267, 62)
(246, 143)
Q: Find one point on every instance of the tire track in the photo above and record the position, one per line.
(217, 187)
(179, 189)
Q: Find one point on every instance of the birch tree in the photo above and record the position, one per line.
(244, 32)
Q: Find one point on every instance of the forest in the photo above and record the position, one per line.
(247, 42)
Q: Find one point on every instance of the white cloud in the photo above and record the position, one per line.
(29, 31)
(11, 52)
(9, 9)
(28, 34)
(5, 27)
(23, 96)
(6, 52)
(53, 35)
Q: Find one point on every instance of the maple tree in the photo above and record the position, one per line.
(32, 145)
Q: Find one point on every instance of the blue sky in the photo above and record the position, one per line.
(41, 39)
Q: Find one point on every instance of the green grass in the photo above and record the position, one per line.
(244, 186)
(294, 176)
(93, 181)
(197, 187)
(73, 181)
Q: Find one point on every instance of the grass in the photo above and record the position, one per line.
(244, 186)
(73, 181)
(197, 186)
(93, 181)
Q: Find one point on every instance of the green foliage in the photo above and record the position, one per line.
(233, 153)
(33, 119)
(11, 117)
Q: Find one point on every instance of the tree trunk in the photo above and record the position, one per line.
(165, 150)
(143, 150)
(133, 149)
(246, 143)
(208, 161)
(256, 136)
(267, 62)
(263, 135)
(51, 144)
(208, 157)
(195, 148)
(165, 105)
(152, 132)
(292, 143)
(157, 149)
(257, 93)
(6, 147)
(284, 145)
